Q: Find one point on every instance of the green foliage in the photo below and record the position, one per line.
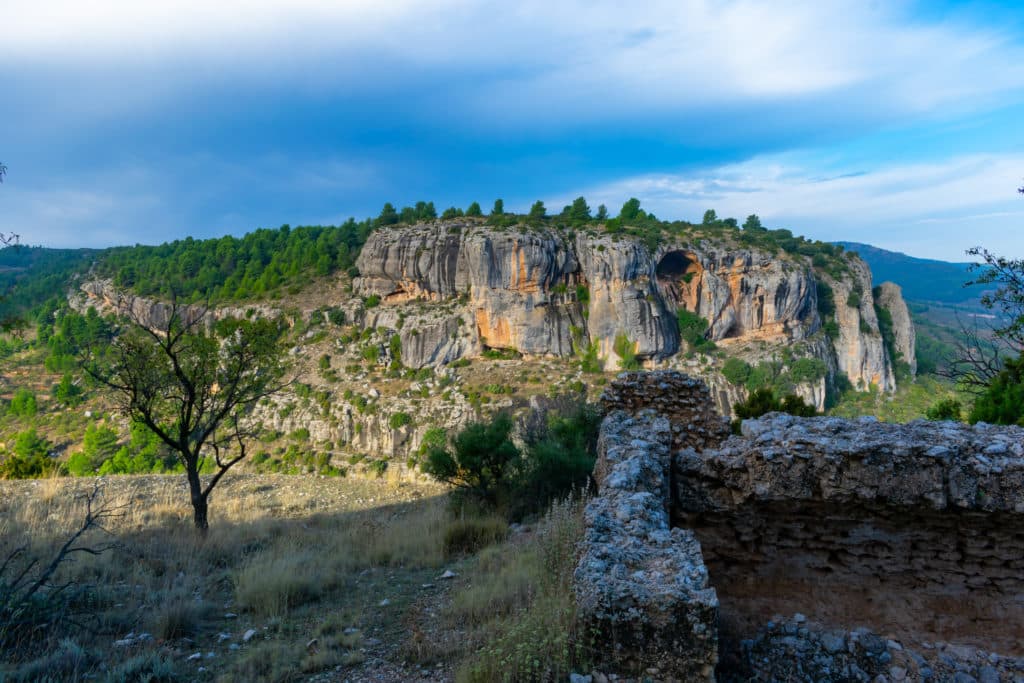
(451, 212)
(710, 217)
(807, 370)
(474, 210)
(1002, 402)
(23, 404)
(626, 351)
(827, 309)
(261, 263)
(945, 409)
(753, 224)
(557, 461)
(372, 301)
(499, 208)
(736, 371)
(631, 211)
(67, 392)
(853, 299)
(693, 330)
(399, 420)
(388, 215)
(579, 212)
(481, 463)
(764, 400)
(30, 458)
(537, 212)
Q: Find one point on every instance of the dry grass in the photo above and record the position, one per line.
(278, 547)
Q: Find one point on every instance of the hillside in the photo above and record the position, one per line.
(405, 325)
(920, 279)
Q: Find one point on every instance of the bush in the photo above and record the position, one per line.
(30, 459)
(23, 404)
(946, 409)
(736, 371)
(399, 420)
(626, 351)
(372, 301)
(764, 400)
(481, 463)
(692, 329)
(1003, 400)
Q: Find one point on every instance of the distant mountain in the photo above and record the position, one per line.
(921, 279)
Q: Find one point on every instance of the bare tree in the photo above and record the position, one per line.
(194, 385)
(30, 600)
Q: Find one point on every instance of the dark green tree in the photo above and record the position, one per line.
(753, 223)
(579, 212)
(1002, 402)
(474, 210)
(499, 208)
(631, 211)
(537, 212)
(602, 213)
(710, 217)
(481, 462)
(388, 215)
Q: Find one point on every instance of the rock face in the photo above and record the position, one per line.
(543, 292)
(916, 531)
(890, 297)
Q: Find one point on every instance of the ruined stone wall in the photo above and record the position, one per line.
(684, 400)
(915, 531)
(641, 586)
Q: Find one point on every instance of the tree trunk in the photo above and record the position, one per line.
(199, 507)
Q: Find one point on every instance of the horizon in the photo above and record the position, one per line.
(893, 125)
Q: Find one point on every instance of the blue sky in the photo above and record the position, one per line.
(894, 123)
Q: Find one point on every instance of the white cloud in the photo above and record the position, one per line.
(587, 60)
(935, 210)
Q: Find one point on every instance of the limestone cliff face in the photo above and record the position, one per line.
(860, 351)
(545, 293)
(890, 297)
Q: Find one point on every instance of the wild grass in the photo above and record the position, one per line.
(518, 610)
(277, 555)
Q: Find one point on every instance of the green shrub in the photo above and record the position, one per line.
(764, 400)
(372, 301)
(378, 467)
(481, 462)
(30, 458)
(626, 351)
(946, 409)
(736, 371)
(692, 329)
(399, 420)
(1003, 400)
(23, 404)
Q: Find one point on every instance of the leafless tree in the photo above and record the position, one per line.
(30, 600)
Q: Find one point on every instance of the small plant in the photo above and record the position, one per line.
(371, 301)
(399, 420)
(626, 351)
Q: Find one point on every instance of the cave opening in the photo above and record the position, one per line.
(678, 277)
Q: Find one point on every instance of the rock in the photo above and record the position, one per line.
(195, 656)
(248, 635)
(384, 603)
(890, 297)
(448, 574)
(221, 637)
(230, 615)
(579, 678)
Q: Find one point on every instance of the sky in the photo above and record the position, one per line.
(892, 122)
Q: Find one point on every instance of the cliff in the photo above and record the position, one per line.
(547, 293)
(890, 297)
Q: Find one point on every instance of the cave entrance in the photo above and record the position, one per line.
(678, 274)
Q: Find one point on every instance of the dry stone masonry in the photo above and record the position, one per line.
(900, 548)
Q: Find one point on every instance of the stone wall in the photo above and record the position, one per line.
(641, 586)
(915, 531)
(684, 401)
